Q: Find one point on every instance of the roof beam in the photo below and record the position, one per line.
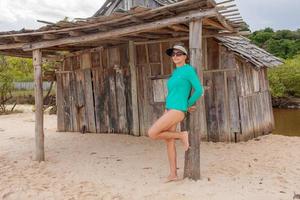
(12, 46)
(106, 22)
(185, 17)
(49, 37)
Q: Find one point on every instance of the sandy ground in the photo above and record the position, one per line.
(110, 166)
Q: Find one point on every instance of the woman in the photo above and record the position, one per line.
(178, 102)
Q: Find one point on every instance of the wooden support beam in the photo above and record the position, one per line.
(213, 23)
(185, 17)
(135, 111)
(163, 40)
(49, 37)
(76, 33)
(11, 46)
(196, 121)
(23, 39)
(179, 27)
(39, 116)
(224, 22)
(119, 19)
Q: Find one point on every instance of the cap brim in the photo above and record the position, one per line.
(169, 51)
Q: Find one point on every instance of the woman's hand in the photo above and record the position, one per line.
(192, 109)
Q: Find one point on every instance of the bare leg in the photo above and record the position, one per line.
(159, 130)
(172, 156)
(172, 159)
(165, 128)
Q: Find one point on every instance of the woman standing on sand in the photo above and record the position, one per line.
(179, 85)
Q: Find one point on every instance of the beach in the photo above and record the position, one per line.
(115, 166)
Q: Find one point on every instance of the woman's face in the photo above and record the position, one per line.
(178, 57)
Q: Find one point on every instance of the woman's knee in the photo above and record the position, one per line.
(152, 133)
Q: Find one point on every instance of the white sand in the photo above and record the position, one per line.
(108, 166)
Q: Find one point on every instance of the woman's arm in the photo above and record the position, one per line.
(196, 84)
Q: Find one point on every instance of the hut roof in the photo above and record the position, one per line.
(244, 48)
(138, 24)
(111, 5)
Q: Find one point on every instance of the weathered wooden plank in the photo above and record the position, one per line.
(141, 100)
(154, 52)
(85, 61)
(166, 60)
(159, 90)
(121, 102)
(131, 82)
(155, 69)
(75, 62)
(150, 106)
(228, 64)
(211, 114)
(113, 56)
(212, 54)
(104, 93)
(95, 59)
(123, 31)
(112, 109)
(98, 98)
(89, 100)
(81, 103)
(244, 118)
(66, 104)
(39, 115)
(197, 123)
(59, 103)
(219, 91)
(73, 102)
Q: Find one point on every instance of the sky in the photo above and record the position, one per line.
(18, 14)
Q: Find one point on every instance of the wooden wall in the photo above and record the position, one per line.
(254, 101)
(237, 99)
(93, 92)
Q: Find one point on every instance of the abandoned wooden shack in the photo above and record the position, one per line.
(112, 70)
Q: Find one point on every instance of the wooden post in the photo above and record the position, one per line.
(135, 111)
(196, 121)
(38, 91)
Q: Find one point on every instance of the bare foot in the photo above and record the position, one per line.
(172, 178)
(185, 140)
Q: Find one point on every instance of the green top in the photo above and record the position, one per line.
(179, 87)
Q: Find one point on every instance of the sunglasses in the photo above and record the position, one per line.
(177, 54)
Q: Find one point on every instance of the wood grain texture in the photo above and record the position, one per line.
(39, 115)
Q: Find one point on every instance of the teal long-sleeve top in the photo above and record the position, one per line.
(179, 86)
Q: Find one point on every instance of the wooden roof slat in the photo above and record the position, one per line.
(224, 2)
(109, 19)
(124, 31)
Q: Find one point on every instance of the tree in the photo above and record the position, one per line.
(282, 43)
(6, 83)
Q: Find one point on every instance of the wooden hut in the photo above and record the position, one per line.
(112, 71)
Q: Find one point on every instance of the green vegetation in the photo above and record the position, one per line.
(12, 70)
(21, 68)
(6, 83)
(282, 43)
(284, 80)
